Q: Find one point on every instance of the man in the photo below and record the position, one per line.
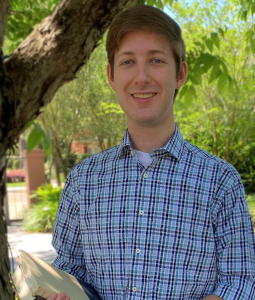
(155, 217)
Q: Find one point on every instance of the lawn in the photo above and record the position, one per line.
(14, 184)
(251, 204)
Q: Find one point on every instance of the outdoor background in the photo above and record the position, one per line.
(214, 110)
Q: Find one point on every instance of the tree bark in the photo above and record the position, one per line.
(5, 287)
(48, 58)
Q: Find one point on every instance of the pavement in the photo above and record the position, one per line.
(37, 244)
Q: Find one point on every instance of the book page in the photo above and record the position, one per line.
(20, 285)
(45, 279)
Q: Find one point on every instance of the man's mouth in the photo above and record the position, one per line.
(143, 96)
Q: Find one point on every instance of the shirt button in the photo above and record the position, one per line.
(145, 175)
(132, 152)
(138, 250)
(134, 289)
(141, 212)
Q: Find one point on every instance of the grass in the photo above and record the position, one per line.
(251, 205)
(13, 184)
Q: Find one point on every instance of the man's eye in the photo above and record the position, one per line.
(127, 62)
(157, 61)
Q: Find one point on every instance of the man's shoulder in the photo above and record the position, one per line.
(96, 161)
(211, 161)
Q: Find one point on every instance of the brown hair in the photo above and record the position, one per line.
(145, 18)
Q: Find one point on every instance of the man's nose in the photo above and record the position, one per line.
(142, 74)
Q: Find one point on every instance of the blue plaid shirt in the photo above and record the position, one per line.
(178, 229)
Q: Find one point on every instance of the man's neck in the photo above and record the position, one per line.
(146, 139)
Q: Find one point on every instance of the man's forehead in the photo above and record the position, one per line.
(161, 45)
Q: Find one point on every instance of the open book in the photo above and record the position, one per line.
(34, 277)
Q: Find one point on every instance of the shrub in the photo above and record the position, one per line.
(16, 164)
(41, 216)
(251, 204)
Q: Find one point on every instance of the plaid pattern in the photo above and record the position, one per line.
(179, 229)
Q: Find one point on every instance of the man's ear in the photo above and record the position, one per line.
(182, 76)
(109, 76)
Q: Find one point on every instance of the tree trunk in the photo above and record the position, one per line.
(48, 58)
(5, 287)
(6, 291)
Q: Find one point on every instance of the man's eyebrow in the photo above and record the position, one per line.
(125, 53)
(151, 51)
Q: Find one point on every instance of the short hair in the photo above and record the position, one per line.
(145, 18)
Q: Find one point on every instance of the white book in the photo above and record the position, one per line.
(34, 277)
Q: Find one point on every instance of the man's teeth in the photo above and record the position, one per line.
(143, 95)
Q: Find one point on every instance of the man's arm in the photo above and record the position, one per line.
(235, 242)
(66, 238)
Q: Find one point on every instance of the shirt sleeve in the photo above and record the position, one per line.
(66, 235)
(235, 246)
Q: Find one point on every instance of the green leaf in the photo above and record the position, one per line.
(168, 2)
(47, 144)
(29, 124)
(253, 8)
(209, 44)
(214, 73)
(244, 15)
(150, 2)
(194, 79)
(215, 39)
(230, 84)
(192, 92)
(222, 81)
(188, 99)
(183, 91)
(34, 137)
(206, 61)
(221, 32)
(160, 4)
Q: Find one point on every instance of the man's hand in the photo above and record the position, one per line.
(61, 296)
(212, 297)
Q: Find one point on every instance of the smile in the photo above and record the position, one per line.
(143, 96)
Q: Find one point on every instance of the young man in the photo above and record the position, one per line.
(155, 217)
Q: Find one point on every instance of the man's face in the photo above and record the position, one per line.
(145, 78)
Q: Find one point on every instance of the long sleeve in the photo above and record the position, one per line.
(235, 244)
(66, 236)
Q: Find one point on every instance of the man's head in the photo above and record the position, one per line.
(146, 65)
(150, 19)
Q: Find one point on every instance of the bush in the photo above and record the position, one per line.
(16, 164)
(41, 216)
(251, 204)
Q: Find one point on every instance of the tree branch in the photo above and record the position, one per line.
(50, 57)
(4, 12)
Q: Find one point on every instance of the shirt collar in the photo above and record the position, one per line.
(174, 147)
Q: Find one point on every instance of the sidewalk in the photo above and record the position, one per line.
(37, 244)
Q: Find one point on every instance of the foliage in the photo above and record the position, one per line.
(41, 216)
(85, 111)
(104, 118)
(221, 119)
(215, 109)
(37, 135)
(24, 17)
(251, 205)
